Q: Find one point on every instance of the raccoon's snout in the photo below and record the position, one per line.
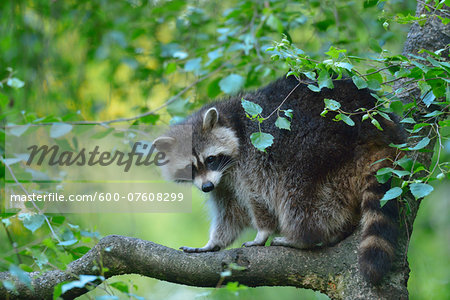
(207, 186)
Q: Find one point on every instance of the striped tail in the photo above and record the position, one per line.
(379, 232)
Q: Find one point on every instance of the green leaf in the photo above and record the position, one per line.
(40, 259)
(234, 287)
(421, 144)
(376, 124)
(331, 104)
(170, 68)
(420, 190)
(275, 23)
(261, 140)
(359, 82)
(32, 222)
(375, 46)
(344, 65)
(58, 220)
(313, 88)
(193, 65)
(406, 163)
(428, 98)
(23, 276)
(433, 114)
(251, 108)
(121, 286)
(378, 161)
(383, 175)
(213, 55)
(213, 88)
(384, 115)
(26, 268)
(398, 146)
(15, 83)
(423, 67)
(84, 280)
(402, 72)
(57, 291)
(288, 113)
(149, 119)
(383, 171)
(9, 285)
(283, 123)
(396, 107)
(324, 80)
(232, 84)
(391, 194)
(374, 84)
(310, 75)
(424, 87)
(68, 243)
(408, 120)
(418, 127)
(6, 221)
(179, 107)
(347, 120)
(370, 3)
(401, 173)
(81, 250)
(18, 130)
(60, 129)
(334, 52)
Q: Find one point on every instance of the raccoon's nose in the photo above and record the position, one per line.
(207, 186)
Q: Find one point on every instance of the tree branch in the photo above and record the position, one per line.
(332, 270)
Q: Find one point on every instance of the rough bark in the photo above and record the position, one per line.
(432, 36)
(333, 271)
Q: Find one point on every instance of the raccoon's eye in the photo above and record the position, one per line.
(210, 159)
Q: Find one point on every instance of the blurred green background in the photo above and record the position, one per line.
(101, 60)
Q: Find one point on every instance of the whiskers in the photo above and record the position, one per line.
(225, 164)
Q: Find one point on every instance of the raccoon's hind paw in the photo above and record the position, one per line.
(253, 243)
(198, 250)
(260, 239)
(283, 241)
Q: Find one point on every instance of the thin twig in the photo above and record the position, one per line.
(13, 244)
(282, 102)
(151, 112)
(32, 202)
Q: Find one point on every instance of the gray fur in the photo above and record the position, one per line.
(310, 184)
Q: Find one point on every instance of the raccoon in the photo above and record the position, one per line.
(313, 186)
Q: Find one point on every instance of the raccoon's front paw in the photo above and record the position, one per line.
(253, 243)
(198, 250)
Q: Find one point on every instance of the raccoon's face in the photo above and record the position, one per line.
(214, 150)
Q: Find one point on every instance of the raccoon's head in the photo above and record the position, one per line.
(214, 149)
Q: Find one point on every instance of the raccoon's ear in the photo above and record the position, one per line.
(210, 118)
(164, 143)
